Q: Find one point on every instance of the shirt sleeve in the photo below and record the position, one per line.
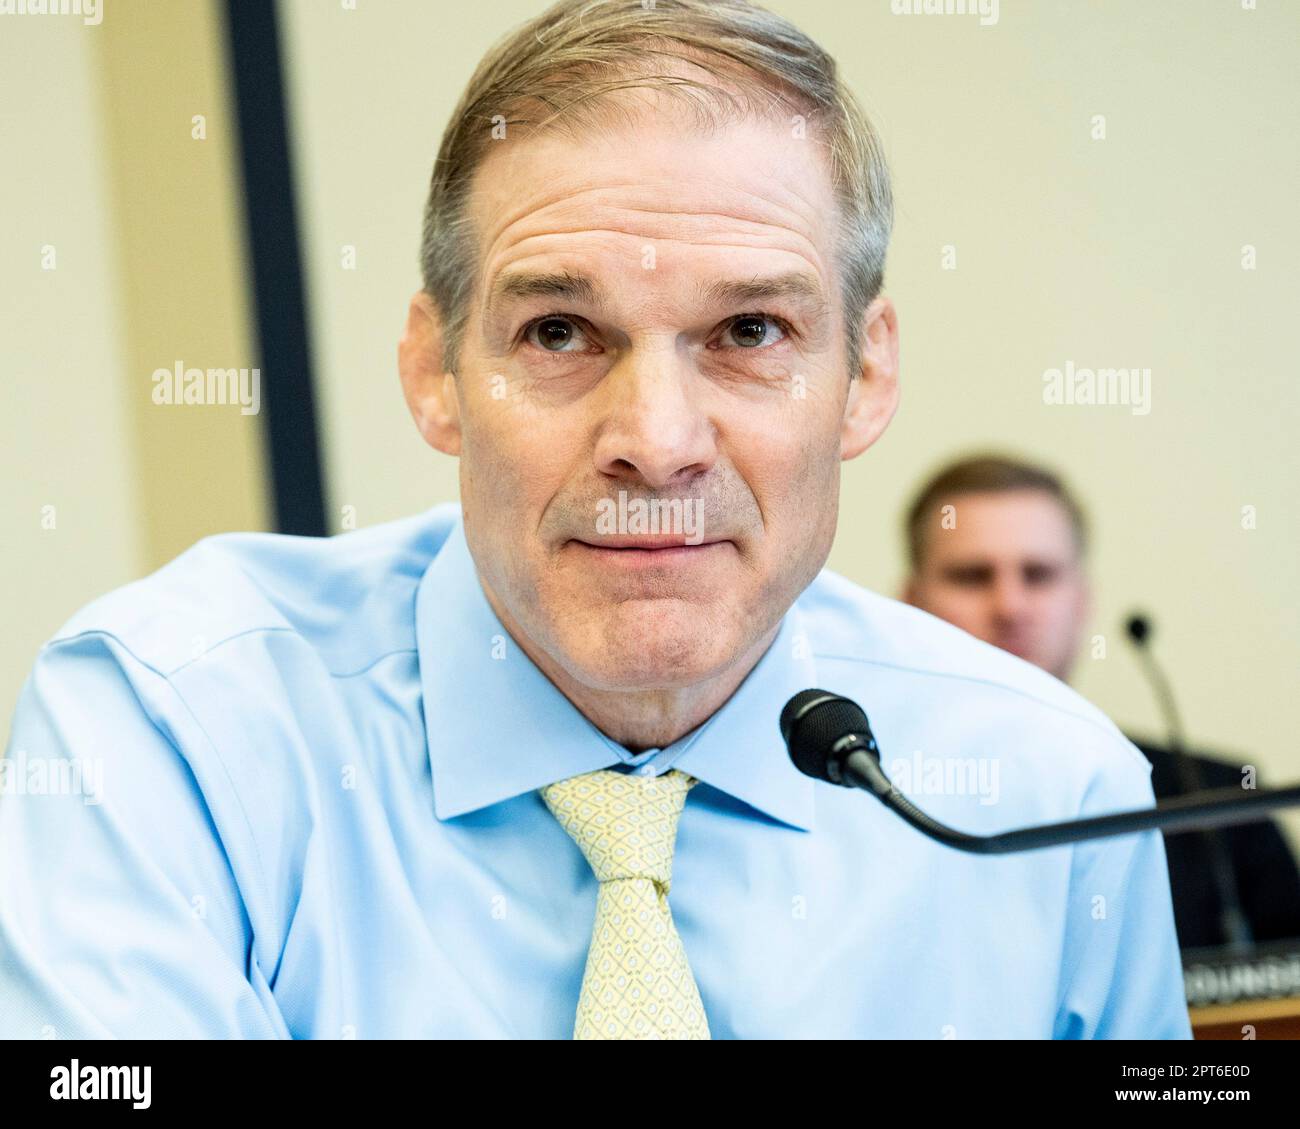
(120, 914)
(1121, 974)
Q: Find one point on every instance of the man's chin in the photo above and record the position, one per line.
(653, 644)
(1033, 655)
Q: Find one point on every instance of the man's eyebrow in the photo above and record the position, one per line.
(562, 286)
(802, 288)
(566, 286)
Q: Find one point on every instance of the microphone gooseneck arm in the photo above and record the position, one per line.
(1183, 813)
(829, 738)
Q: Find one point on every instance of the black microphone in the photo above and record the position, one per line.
(1232, 918)
(829, 738)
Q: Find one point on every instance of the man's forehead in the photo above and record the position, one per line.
(1003, 525)
(657, 178)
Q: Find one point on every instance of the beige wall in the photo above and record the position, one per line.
(61, 348)
(1113, 253)
(185, 283)
(99, 162)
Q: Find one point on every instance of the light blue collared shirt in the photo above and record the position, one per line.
(288, 787)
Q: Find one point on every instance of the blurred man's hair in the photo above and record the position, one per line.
(559, 71)
(984, 474)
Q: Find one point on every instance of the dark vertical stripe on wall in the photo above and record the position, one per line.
(288, 403)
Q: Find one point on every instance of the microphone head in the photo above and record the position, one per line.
(1138, 628)
(813, 722)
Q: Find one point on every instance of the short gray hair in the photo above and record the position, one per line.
(560, 67)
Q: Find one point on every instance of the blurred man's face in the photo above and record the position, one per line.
(1008, 573)
(613, 350)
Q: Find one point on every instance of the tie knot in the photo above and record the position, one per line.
(625, 824)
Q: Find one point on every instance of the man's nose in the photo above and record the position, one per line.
(1010, 599)
(653, 424)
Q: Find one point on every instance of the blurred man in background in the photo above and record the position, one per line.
(997, 547)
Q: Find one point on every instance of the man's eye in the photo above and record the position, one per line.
(555, 335)
(752, 331)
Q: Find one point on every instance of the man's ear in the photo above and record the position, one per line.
(873, 394)
(430, 393)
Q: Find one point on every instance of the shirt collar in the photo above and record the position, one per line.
(497, 727)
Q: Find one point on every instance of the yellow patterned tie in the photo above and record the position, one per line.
(637, 983)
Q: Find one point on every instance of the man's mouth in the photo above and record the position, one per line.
(645, 541)
(655, 551)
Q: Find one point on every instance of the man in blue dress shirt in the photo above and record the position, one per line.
(292, 787)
